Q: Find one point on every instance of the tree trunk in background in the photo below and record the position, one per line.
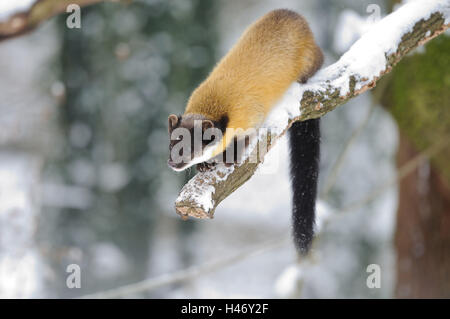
(27, 139)
(422, 238)
(417, 95)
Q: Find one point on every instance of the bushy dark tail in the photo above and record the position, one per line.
(304, 143)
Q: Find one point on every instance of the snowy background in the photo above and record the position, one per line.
(83, 146)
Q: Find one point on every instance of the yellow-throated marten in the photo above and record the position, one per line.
(273, 52)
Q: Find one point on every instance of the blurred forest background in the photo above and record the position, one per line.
(84, 180)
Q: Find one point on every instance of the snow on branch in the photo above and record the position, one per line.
(358, 70)
(20, 16)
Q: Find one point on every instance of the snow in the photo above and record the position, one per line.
(27, 136)
(8, 8)
(203, 194)
(19, 262)
(288, 282)
(286, 108)
(349, 29)
(260, 209)
(366, 59)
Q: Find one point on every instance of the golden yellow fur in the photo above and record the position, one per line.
(273, 52)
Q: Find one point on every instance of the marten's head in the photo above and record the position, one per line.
(192, 138)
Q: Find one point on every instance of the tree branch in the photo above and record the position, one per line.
(358, 70)
(24, 20)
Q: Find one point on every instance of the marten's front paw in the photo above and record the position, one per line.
(205, 166)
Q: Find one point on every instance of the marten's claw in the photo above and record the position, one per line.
(205, 166)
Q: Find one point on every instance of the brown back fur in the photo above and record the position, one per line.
(273, 52)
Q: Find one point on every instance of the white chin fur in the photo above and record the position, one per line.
(178, 169)
(207, 154)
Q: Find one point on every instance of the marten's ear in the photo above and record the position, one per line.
(206, 124)
(173, 121)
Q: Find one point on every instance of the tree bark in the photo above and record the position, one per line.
(323, 93)
(417, 96)
(422, 237)
(41, 10)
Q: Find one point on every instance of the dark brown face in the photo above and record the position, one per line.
(190, 138)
